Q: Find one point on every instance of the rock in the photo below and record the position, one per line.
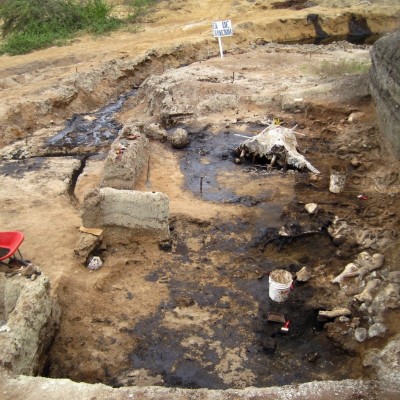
(126, 159)
(95, 263)
(303, 275)
(339, 240)
(155, 131)
(32, 316)
(360, 334)
(368, 263)
(337, 312)
(363, 308)
(385, 88)
(139, 212)
(179, 139)
(387, 298)
(386, 362)
(377, 330)
(355, 116)
(311, 207)
(371, 358)
(377, 318)
(355, 162)
(394, 276)
(366, 296)
(86, 244)
(165, 245)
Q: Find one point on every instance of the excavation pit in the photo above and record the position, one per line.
(193, 314)
(206, 323)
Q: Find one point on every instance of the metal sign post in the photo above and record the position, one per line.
(221, 29)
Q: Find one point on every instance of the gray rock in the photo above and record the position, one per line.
(387, 298)
(377, 330)
(394, 277)
(386, 362)
(371, 358)
(377, 318)
(126, 159)
(385, 88)
(32, 317)
(179, 139)
(363, 308)
(360, 334)
(155, 131)
(86, 244)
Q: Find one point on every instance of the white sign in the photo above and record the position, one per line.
(222, 28)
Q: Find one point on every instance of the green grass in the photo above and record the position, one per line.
(341, 67)
(34, 24)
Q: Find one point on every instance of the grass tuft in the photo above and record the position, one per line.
(342, 67)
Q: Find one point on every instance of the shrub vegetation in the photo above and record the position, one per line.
(34, 24)
(140, 7)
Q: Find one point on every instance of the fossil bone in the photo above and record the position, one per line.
(366, 296)
(350, 270)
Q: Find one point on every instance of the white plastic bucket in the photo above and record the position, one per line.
(280, 282)
(337, 179)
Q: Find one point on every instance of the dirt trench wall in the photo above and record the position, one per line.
(31, 317)
(82, 92)
(385, 88)
(49, 103)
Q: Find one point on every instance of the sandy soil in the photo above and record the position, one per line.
(210, 278)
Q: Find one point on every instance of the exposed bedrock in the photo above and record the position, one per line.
(126, 159)
(385, 88)
(143, 212)
(29, 318)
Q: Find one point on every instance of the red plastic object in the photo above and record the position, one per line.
(285, 328)
(10, 241)
(287, 323)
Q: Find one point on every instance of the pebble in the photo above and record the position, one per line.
(311, 207)
(377, 330)
(360, 334)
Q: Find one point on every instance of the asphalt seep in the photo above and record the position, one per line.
(91, 132)
(213, 331)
